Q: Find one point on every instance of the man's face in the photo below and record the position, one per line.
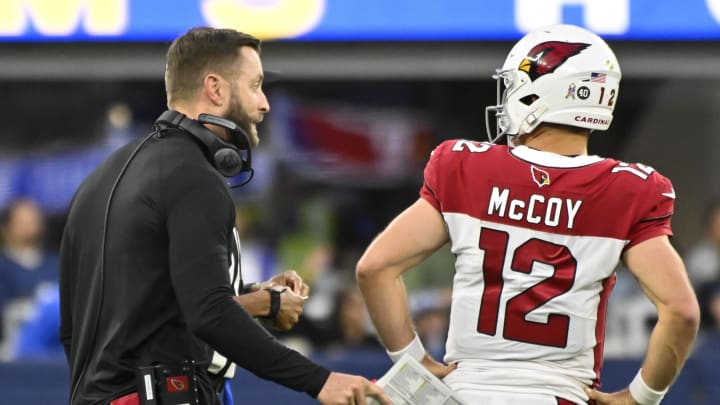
(248, 104)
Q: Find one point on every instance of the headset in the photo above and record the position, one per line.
(226, 158)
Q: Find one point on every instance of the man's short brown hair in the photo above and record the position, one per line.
(199, 51)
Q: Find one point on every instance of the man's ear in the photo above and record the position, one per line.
(213, 88)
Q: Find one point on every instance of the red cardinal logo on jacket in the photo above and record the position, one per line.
(178, 383)
(544, 58)
(541, 177)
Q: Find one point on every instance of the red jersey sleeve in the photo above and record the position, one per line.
(655, 212)
(431, 185)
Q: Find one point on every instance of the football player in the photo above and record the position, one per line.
(537, 228)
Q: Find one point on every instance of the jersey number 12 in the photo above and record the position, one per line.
(516, 326)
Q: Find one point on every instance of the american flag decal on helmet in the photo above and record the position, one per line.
(540, 176)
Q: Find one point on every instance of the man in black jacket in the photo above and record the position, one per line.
(150, 237)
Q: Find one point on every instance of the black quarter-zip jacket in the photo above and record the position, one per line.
(154, 286)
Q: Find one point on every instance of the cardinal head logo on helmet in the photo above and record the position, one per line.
(546, 57)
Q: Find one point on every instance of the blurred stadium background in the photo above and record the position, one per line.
(365, 89)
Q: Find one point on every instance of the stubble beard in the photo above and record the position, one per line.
(236, 113)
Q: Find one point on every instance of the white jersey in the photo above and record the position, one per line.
(537, 238)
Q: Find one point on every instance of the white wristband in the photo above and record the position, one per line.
(414, 349)
(643, 394)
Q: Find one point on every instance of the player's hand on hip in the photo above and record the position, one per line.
(440, 370)
(291, 307)
(346, 389)
(291, 280)
(616, 398)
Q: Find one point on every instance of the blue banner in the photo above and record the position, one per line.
(354, 20)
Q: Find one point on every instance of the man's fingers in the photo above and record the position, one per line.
(305, 290)
(445, 370)
(442, 370)
(359, 395)
(596, 395)
(297, 300)
(377, 392)
(293, 281)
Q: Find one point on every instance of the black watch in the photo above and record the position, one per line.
(274, 303)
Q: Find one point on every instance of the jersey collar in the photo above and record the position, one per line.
(549, 159)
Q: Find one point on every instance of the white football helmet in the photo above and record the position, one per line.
(559, 74)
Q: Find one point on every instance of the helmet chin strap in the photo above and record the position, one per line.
(532, 119)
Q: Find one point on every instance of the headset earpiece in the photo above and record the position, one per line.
(228, 162)
(224, 156)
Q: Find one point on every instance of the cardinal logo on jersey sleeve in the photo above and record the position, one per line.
(544, 58)
(540, 176)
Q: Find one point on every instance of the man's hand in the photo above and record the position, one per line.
(440, 370)
(291, 280)
(346, 389)
(291, 307)
(616, 398)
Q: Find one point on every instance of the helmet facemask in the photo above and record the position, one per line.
(501, 120)
(513, 121)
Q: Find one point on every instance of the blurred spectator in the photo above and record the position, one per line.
(350, 327)
(430, 308)
(120, 127)
(710, 339)
(707, 352)
(324, 280)
(630, 319)
(431, 326)
(24, 265)
(703, 259)
(38, 338)
(353, 322)
(258, 260)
